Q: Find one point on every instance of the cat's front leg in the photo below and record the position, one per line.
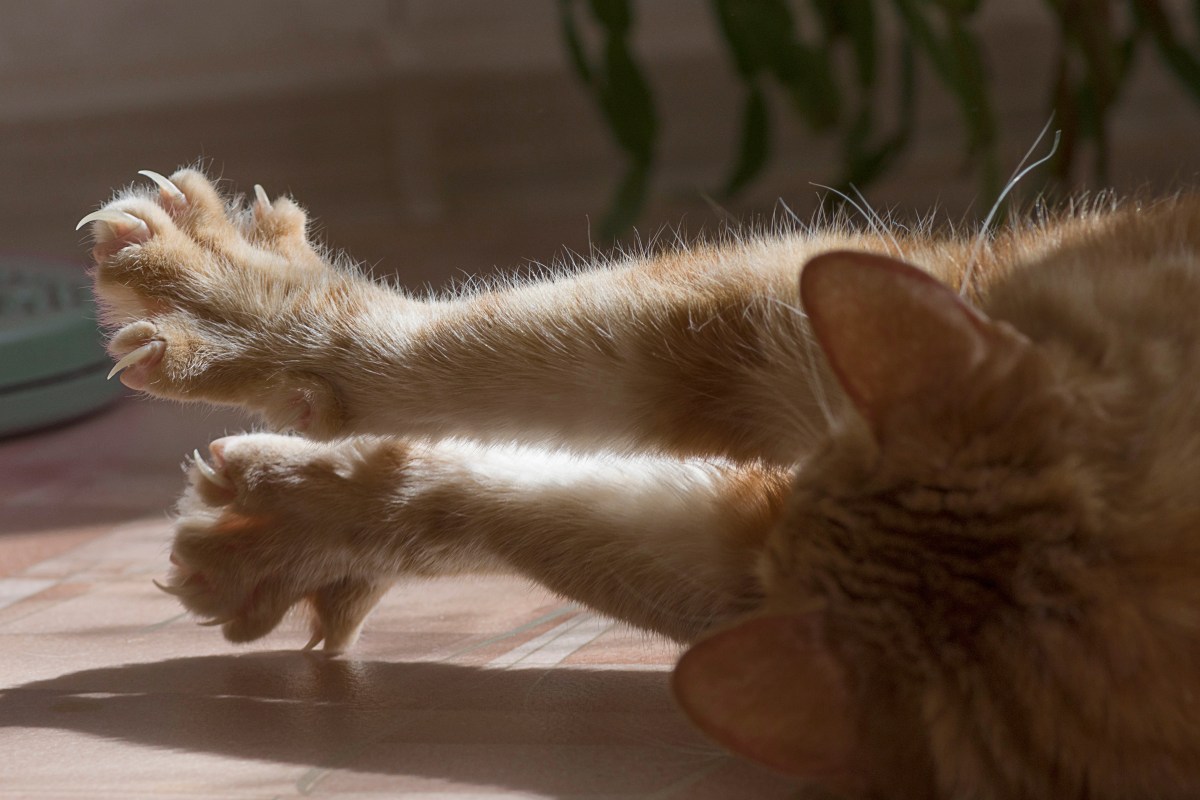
(226, 304)
(695, 354)
(270, 521)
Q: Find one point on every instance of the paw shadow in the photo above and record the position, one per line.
(554, 732)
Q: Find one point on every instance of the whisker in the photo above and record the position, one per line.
(817, 378)
(1020, 172)
(793, 215)
(882, 223)
(867, 216)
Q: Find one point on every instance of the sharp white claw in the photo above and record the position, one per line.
(212, 623)
(314, 641)
(121, 221)
(164, 183)
(135, 357)
(210, 473)
(261, 194)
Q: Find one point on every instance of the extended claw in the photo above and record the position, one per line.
(208, 472)
(212, 623)
(174, 591)
(314, 641)
(143, 353)
(164, 183)
(121, 222)
(261, 194)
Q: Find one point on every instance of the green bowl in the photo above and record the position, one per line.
(52, 362)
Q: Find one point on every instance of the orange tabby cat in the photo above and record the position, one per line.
(922, 547)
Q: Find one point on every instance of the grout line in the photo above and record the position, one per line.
(556, 644)
(14, 590)
(555, 614)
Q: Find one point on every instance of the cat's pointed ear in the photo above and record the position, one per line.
(768, 689)
(891, 332)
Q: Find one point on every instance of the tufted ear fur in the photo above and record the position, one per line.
(891, 332)
(768, 689)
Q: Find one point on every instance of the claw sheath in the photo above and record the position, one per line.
(136, 357)
(208, 472)
(164, 183)
(120, 221)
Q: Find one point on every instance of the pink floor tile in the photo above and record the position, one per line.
(465, 688)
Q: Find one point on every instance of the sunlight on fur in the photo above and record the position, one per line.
(921, 544)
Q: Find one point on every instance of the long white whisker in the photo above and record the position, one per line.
(818, 382)
(1020, 172)
(887, 230)
(792, 214)
(868, 217)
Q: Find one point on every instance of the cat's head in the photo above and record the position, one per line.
(947, 612)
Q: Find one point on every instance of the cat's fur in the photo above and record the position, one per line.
(921, 550)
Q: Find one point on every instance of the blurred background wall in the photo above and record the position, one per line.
(433, 138)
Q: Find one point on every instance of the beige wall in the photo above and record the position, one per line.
(439, 136)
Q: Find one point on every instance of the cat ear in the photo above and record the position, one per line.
(891, 332)
(768, 689)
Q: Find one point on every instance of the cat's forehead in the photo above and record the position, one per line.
(924, 494)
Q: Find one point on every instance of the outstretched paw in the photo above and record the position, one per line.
(340, 610)
(272, 521)
(218, 302)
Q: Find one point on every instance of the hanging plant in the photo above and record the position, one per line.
(835, 96)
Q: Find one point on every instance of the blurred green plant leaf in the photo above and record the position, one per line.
(858, 21)
(615, 15)
(863, 162)
(956, 59)
(827, 68)
(627, 102)
(624, 99)
(757, 33)
(762, 38)
(577, 55)
(754, 144)
(1179, 58)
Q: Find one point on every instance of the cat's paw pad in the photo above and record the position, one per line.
(261, 529)
(340, 609)
(175, 356)
(185, 247)
(215, 301)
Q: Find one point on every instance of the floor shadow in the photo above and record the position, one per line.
(553, 732)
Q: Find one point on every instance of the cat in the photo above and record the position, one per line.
(928, 531)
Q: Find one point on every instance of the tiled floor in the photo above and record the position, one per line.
(459, 688)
